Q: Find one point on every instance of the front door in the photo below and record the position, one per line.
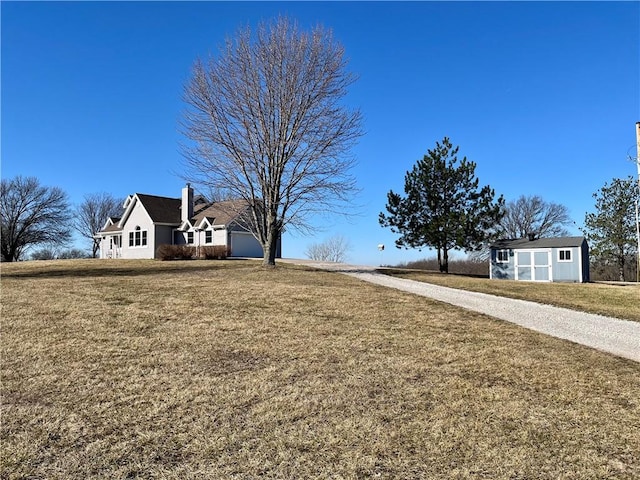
(533, 265)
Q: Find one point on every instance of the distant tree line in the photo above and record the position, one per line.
(40, 219)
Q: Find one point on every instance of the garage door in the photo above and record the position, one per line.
(245, 245)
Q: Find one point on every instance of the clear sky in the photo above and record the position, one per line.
(543, 96)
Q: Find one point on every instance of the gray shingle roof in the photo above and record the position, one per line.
(222, 213)
(553, 242)
(161, 209)
(168, 211)
(114, 226)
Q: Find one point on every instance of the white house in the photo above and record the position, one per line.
(559, 259)
(149, 221)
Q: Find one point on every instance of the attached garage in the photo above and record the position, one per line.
(243, 244)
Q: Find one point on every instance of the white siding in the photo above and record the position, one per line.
(220, 237)
(138, 218)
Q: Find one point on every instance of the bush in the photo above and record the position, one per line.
(188, 252)
(175, 252)
(215, 252)
(73, 253)
(44, 254)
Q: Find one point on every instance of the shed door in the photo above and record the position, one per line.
(533, 265)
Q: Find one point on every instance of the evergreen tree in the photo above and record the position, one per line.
(443, 206)
(611, 230)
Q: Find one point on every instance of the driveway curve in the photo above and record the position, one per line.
(612, 335)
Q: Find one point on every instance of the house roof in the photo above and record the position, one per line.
(113, 227)
(161, 209)
(221, 213)
(553, 242)
(168, 211)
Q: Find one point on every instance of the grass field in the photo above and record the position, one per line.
(189, 370)
(619, 300)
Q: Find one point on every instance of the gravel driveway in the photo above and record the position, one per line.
(612, 335)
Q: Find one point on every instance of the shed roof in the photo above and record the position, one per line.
(553, 242)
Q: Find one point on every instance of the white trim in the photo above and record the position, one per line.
(565, 249)
(498, 251)
(131, 203)
(580, 277)
(533, 265)
(133, 232)
(183, 226)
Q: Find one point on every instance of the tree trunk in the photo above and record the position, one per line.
(443, 260)
(270, 248)
(10, 255)
(444, 267)
(621, 265)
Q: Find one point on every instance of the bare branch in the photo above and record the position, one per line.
(333, 249)
(31, 214)
(533, 215)
(265, 123)
(92, 214)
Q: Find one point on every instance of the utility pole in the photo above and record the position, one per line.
(637, 200)
(638, 150)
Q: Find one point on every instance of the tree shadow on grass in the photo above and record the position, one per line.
(118, 268)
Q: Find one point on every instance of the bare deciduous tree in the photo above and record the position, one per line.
(535, 216)
(31, 214)
(333, 249)
(266, 123)
(92, 214)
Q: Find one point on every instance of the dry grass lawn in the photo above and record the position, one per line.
(610, 299)
(215, 370)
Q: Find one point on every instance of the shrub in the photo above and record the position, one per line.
(215, 252)
(44, 254)
(73, 253)
(187, 252)
(175, 252)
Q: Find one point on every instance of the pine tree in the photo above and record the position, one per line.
(443, 206)
(611, 230)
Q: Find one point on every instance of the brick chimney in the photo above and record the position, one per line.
(187, 203)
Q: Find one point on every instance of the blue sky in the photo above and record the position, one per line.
(543, 96)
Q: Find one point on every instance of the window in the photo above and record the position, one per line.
(502, 256)
(138, 238)
(208, 236)
(564, 255)
(189, 237)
